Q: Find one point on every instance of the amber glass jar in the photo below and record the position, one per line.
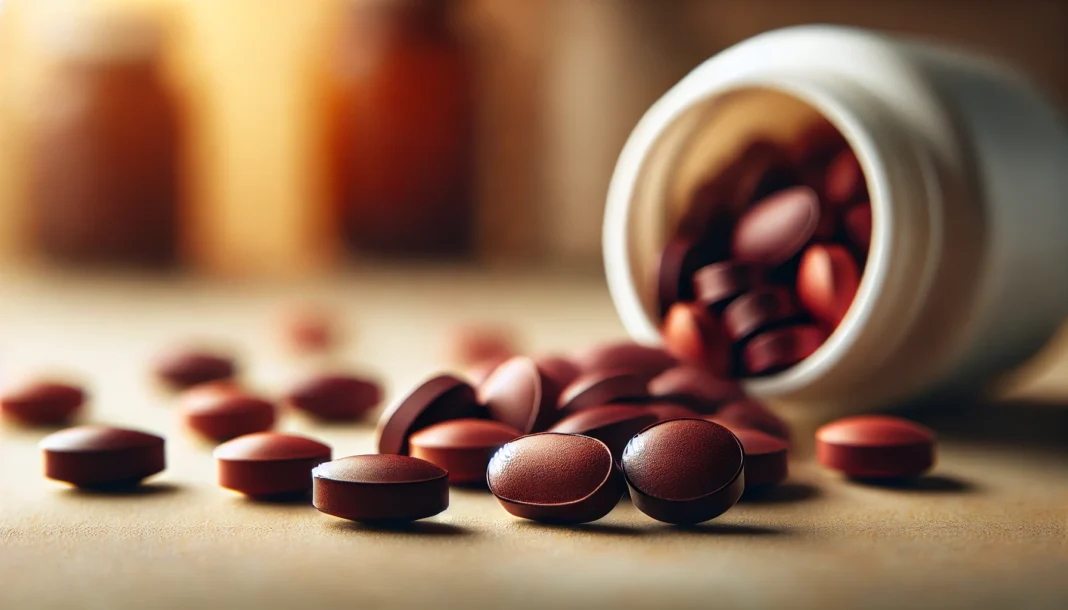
(402, 130)
(105, 152)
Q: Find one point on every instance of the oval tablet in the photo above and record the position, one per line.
(102, 457)
(182, 369)
(462, 446)
(777, 227)
(693, 336)
(613, 425)
(603, 388)
(555, 478)
(521, 395)
(336, 397)
(827, 281)
(684, 471)
(220, 411)
(436, 400)
(380, 488)
(42, 403)
(876, 447)
(267, 465)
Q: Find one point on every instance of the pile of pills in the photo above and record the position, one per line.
(769, 258)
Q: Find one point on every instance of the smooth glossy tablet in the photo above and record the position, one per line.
(603, 388)
(827, 281)
(381, 489)
(716, 285)
(185, 368)
(462, 446)
(435, 400)
(766, 461)
(694, 387)
(268, 465)
(759, 310)
(777, 350)
(102, 457)
(555, 478)
(876, 447)
(693, 336)
(336, 397)
(626, 356)
(221, 411)
(684, 471)
(777, 227)
(613, 425)
(521, 395)
(42, 403)
(748, 413)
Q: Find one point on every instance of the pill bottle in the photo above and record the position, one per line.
(967, 171)
(105, 144)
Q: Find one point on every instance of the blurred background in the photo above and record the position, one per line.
(270, 138)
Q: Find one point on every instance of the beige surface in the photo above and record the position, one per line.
(991, 530)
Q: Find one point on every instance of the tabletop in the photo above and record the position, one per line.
(987, 528)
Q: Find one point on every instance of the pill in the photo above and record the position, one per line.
(670, 410)
(778, 350)
(684, 471)
(876, 447)
(694, 387)
(827, 281)
(521, 395)
(561, 369)
(462, 446)
(776, 228)
(335, 397)
(267, 465)
(555, 478)
(765, 458)
(844, 180)
(435, 400)
(748, 413)
(626, 356)
(186, 368)
(102, 457)
(759, 310)
(380, 489)
(469, 344)
(480, 371)
(679, 259)
(613, 425)
(42, 403)
(692, 335)
(221, 411)
(716, 285)
(857, 221)
(603, 388)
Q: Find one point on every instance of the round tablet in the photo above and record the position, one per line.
(220, 411)
(758, 310)
(693, 336)
(380, 488)
(336, 397)
(555, 478)
(694, 387)
(748, 413)
(626, 356)
(669, 410)
(684, 471)
(186, 368)
(613, 425)
(462, 446)
(827, 281)
(102, 457)
(777, 227)
(603, 388)
(876, 447)
(268, 465)
(765, 458)
(777, 350)
(42, 403)
(716, 285)
(436, 400)
(521, 395)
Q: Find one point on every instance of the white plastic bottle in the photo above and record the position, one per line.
(967, 168)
